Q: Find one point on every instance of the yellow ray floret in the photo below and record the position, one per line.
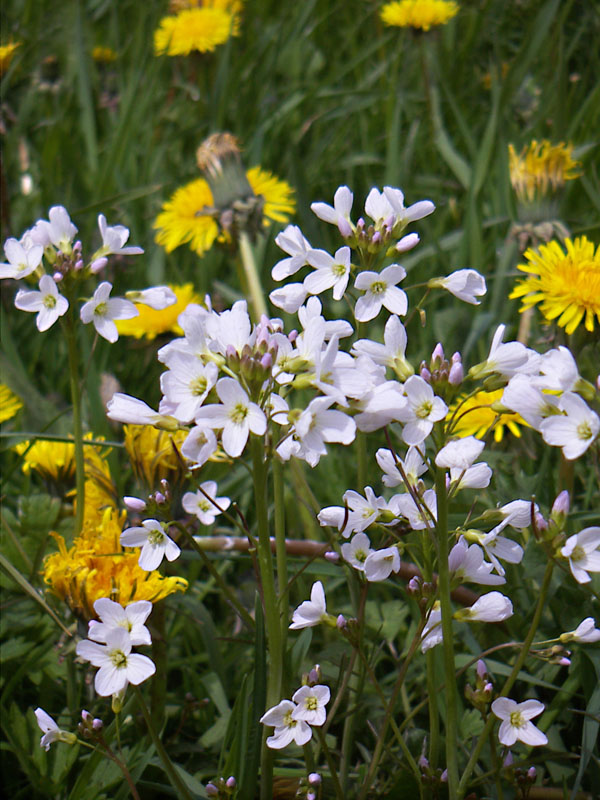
(10, 404)
(186, 219)
(201, 29)
(7, 52)
(96, 566)
(154, 454)
(421, 14)
(475, 416)
(151, 322)
(566, 285)
(541, 167)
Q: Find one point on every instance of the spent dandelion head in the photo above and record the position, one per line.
(151, 322)
(154, 454)
(419, 14)
(478, 414)
(566, 285)
(96, 566)
(10, 404)
(202, 28)
(540, 169)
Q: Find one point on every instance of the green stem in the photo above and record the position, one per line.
(462, 787)
(255, 289)
(280, 547)
(448, 640)
(339, 793)
(271, 608)
(73, 355)
(176, 782)
(361, 460)
(158, 687)
(434, 714)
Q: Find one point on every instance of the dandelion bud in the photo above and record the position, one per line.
(341, 622)
(98, 265)
(332, 556)
(231, 782)
(211, 790)
(314, 779)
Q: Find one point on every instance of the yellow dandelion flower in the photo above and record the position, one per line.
(566, 285)
(100, 489)
(150, 323)
(233, 6)
(103, 55)
(96, 566)
(539, 167)
(10, 404)
(476, 416)
(186, 219)
(7, 52)
(422, 14)
(52, 460)
(154, 454)
(201, 29)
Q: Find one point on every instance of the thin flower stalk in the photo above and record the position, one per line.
(464, 781)
(70, 330)
(280, 546)
(252, 277)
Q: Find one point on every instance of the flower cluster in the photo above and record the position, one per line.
(51, 243)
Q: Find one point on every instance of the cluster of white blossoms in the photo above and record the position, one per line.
(47, 254)
(110, 642)
(292, 719)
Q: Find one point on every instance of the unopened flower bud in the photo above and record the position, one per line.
(508, 760)
(314, 779)
(481, 669)
(310, 795)
(423, 762)
(98, 265)
(292, 336)
(86, 716)
(488, 688)
(134, 503)
(360, 224)
(540, 522)
(444, 776)
(266, 361)
(79, 264)
(159, 498)
(77, 247)
(425, 374)
(341, 622)
(532, 773)
(231, 782)
(438, 354)
(314, 676)
(456, 374)
(97, 724)
(332, 556)
(344, 227)
(57, 277)
(414, 585)
(211, 790)
(560, 507)
(407, 242)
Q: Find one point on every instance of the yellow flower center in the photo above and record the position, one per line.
(360, 556)
(198, 385)
(101, 309)
(156, 537)
(238, 414)
(424, 410)
(584, 431)
(119, 659)
(311, 703)
(578, 553)
(288, 721)
(516, 719)
(49, 301)
(378, 287)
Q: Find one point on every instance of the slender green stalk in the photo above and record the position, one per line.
(158, 687)
(339, 793)
(255, 289)
(174, 779)
(434, 713)
(271, 608)
(280, 547)
(70, 330)
(448, 640)
(464, 781)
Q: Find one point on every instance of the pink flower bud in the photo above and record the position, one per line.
(57, 277)
(532, 773)
(314, 779)
(79, 264)
(438, 353)
(344, 227)
(97, 724)
(508, 761)
(456, 374)
(292, 336)
(86, 716)
(159, 498)
(231, 782)
(97, 265)
(211, 790)
(407, 242)
(341, 622)
(561, 504)
(425, 374)
(444, 776)
(481, 669)
(266, 361)
(134, 503)
(423, 762)
(332, 556)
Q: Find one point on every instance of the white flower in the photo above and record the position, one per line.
(466, 563)
(413, 466)
(118, 666)
(460, 453)
(363, 510)
(124, 408)
(49, 304)
(422, 410)
(186, 385)
(291, 241)
(113, 239)
(199, 446)
(287, 729)
(421, 515)
(22, 261)
(506, 358)
(403, 215)
(318, 424)
(476, 477)
(392, 352)
(432, 632)
(155, 544)
(515, 722)
(380, 564)
(574, 430)
(466, 284)
(52, 733)
(115, 617)
(289, 297)
(102, 311)
(198, 503)
(490, 607)
(558, 370)
(236, 415)
(380, 290)
(310, 612)
(156, 297)
(60, 231)
(357, 550)
(340, 213)
(330, 271)
(311, 702)
(528, 400)
(586, 631)
(583, 552)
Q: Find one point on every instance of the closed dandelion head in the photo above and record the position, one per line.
(419, 14)
(540, 169)
(155, 454)
(477, 416)
(565, 285)
(201, 29)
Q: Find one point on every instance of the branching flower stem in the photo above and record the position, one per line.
(464, 781)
